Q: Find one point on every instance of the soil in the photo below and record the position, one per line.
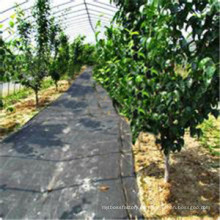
(193, 189)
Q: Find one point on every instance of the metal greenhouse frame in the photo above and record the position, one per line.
(80, 14)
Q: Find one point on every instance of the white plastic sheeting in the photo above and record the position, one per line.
(77, 17)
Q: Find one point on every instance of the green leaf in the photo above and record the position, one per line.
(144, 93)
(208, 66)
(13, 16)
(11, 23)
(135, 33)
(141, 9)
(140, 54)
(141, 110)
(138, 79)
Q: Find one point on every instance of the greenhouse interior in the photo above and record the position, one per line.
(109, 109)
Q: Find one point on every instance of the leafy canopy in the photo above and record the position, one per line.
(160, 65)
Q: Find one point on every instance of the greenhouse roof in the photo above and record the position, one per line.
(77, 17)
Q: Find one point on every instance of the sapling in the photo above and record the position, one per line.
(33, 55)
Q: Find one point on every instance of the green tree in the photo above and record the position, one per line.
(63, 55)
(88, 54)
(54, 72)
(76, 55)
(6, 63)
(6, 60)
(33, 47)
(160, 65)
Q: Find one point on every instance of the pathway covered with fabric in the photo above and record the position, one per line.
(71, 161)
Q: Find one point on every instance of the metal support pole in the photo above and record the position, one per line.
(87, 10)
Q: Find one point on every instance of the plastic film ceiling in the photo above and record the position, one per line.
(77, 17)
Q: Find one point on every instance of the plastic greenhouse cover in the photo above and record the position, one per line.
(77, 17)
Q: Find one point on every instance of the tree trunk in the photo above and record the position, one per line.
(69, 81)
(56, 84)
(167, 167)
(36, 97)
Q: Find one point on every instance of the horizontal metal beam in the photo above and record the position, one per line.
(101, 12)
(84, 19)
(93, 10)
(110, 17)
(66, 3)
(80, 24)
(97, 6)
(76, 23)
(67, 8)
(83, 31)
(80, 21)
(71, 12)
(66, 18)
(76, 20)
(101, 19)
(109, 5)
(4, 20)
(76, 16)
(77, 30)
(2, 12)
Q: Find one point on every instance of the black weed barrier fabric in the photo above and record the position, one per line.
(71, 161)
